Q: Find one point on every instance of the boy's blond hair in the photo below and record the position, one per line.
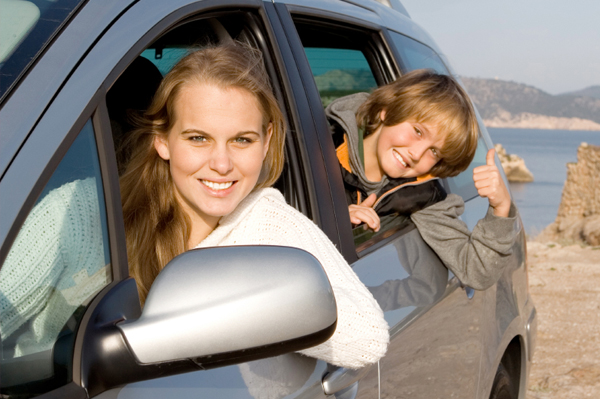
(424, 96)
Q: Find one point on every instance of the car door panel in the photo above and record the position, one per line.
(287, 376)
(292, 374)
(418, 296)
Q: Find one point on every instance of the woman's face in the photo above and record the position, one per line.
(215, 149)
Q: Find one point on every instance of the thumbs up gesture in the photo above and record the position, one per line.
(490, 185)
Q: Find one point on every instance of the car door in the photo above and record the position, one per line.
(88, 104)
(434, 321)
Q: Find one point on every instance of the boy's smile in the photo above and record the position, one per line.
(409, 149)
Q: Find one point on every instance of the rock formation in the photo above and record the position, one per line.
(514, 166)
(578, 218)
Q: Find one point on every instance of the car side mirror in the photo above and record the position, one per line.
(207, 308)
(218, 303)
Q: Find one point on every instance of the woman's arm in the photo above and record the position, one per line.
(361, 335)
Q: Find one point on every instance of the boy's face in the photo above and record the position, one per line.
(409, 149)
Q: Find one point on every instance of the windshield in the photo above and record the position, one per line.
(25, 28)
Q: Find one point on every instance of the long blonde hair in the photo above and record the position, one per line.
(157, 229)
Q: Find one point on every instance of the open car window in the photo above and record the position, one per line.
(132, 92)
(345, 60)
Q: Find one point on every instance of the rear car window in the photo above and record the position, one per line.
(334, 81)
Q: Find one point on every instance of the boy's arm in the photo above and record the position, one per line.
(477, 258)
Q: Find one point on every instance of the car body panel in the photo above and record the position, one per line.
(433, 319)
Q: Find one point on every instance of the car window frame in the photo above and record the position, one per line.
(379, 39)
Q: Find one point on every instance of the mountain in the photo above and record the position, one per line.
(592, 91)
(510, 104)
(500, 103)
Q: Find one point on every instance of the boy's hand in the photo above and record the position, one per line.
(364, 213)
(490, 185)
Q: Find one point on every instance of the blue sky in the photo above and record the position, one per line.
(553, 45)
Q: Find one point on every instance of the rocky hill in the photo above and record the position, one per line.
(592, 91)
(510, 104)
(500, 103)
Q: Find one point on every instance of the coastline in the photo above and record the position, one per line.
(541, 122)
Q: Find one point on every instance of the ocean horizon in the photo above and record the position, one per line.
(546, 154)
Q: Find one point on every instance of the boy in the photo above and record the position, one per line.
(397, 142)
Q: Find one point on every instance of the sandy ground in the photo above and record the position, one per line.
(565, 286)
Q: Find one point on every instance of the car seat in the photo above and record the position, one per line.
(131, 94)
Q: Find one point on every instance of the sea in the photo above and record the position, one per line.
(546, 154)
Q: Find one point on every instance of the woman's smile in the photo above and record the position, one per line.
(215, 186)
(215, 149)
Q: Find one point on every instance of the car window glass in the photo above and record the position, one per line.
(339, 72)
(57, 264)
(164, 59)
(463, 183)
(415, 55)
(27, 26)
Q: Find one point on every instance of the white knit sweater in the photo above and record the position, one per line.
(54, 266)
(264, 218)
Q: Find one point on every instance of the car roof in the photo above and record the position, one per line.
(72, 37)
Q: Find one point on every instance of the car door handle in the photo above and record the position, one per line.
(342, 378)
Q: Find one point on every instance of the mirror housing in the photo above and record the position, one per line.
(208, 308)
(212, 304)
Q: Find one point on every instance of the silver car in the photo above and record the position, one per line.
(71, 73)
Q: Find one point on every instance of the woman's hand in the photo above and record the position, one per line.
(364, 213)
(490, 185)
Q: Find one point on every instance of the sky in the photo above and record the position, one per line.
(553, 45)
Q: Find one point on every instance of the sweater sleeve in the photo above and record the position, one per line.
(361, 336)
(477, 258)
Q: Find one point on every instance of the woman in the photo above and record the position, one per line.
(206, 151)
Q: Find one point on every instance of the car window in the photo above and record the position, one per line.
(344, 64)
(463, 183)
(415, 55)
(339, 72)
(59, 261)
(164, 58)
(133, 91)
(27, 26)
